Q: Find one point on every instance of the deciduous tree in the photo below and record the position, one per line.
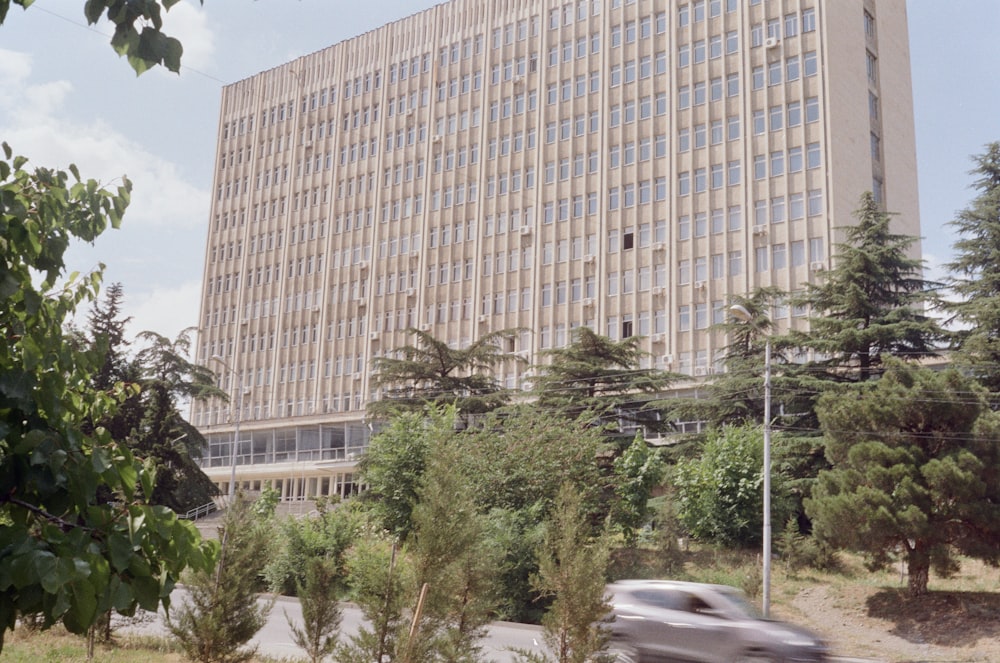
(64, 552)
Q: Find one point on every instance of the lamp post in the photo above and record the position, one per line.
(743, 314)
(236, 429)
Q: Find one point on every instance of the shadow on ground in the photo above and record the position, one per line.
(946, 619)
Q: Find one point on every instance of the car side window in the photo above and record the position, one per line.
(666, 599)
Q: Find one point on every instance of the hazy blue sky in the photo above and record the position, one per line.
(67, 98)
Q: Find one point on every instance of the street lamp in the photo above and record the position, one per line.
(743, 314)
(236, 429)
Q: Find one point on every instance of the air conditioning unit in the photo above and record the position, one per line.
(526, 230)
(667, 360)
(760, 230)
(357, 376)
(412, 292)
(425, 327)
(817, 266)
(657, 338)
(770, 42)
(360, 301)
(414, 255)
(660, 246)
(373, 336)
(437, 138)
(700, 285)
(700, 370)
(658, 290)
(589, 259)
(484, 318)
(518, 79)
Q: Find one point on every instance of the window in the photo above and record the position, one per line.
(794, 159)
(759, 167)
(794, 114)
(792, 68)
(808, 20)
(812, 109)
(776, 117)
(871, 66)
(809, 63)
(815, 202)
(813, 156)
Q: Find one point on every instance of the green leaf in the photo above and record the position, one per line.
(121, 549)
(83, 607)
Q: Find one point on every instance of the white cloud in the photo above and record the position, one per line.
(167, 311)
(14, 68)
(188, 22)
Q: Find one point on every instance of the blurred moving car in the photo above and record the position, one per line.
(665, 620)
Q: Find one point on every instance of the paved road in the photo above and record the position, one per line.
(275, 639)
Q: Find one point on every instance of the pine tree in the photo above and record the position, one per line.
(572, 566)
(222, 612)
(431, 372)
(604, 376)
(975, 274)
(871, 303)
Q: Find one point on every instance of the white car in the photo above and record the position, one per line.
(665, 620)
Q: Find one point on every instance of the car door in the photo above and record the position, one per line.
(702, 633)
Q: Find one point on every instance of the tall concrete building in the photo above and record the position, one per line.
(627, 165)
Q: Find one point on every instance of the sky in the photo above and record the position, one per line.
(68, 98)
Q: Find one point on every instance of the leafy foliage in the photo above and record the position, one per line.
(431, 372)
(637, 471)
(222, 613)
(144, 46)
(916, 467)
(720, 495)
(871, 303)
(975, 278)
(63, 552)
(328, 535)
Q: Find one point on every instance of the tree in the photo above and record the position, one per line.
(916, 468)
(572, 566)
(327, 535)
(167, 379)
(145, 47)
(637, 471)
(321, 613)
(871, 303)
(975, 278)
(598, 374)
(63, 552)
(380, 580)
(720, 495)
(222, 613)
(394, 465)
(431, 372)
(452, 555)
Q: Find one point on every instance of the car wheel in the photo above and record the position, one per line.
(620, 652)
(755, 657)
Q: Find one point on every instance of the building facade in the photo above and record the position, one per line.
(627, 165)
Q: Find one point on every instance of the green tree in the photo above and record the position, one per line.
(394, 465)
(720, 496)
(168, 379)
(432, 372)
(916, 468)
(380, 581)
(637, 471)
(145, 46)
(573, 561)
(328, 535)
(975, 278)
(222, 612)
(321, 612)
(65, 553)
(598, 374)
(871, 303)
(453, 555)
